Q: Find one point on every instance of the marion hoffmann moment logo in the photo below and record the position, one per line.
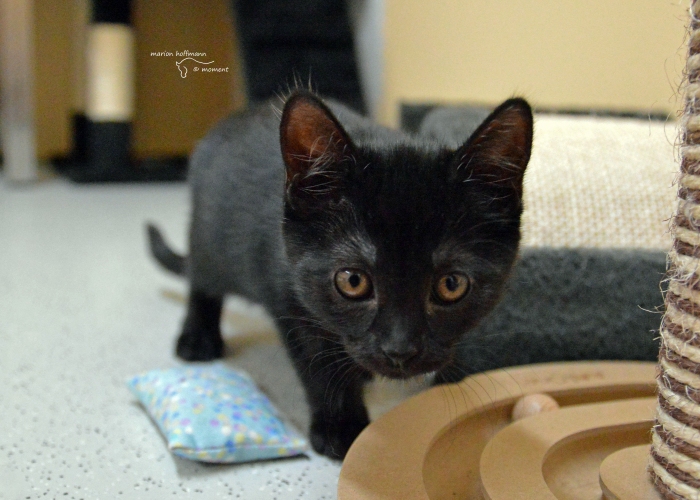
(196, 61)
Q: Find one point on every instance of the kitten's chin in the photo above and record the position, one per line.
(400, 373)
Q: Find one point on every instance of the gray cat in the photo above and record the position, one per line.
(374, 251)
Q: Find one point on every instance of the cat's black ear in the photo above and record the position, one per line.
(314, 148)
(498, 151)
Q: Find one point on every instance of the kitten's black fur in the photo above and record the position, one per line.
(283, 205)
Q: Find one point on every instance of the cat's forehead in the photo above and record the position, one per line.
(403, 186)
(394, 214)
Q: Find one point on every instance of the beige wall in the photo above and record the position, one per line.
(603, 54)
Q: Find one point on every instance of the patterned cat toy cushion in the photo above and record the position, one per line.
(215, 414)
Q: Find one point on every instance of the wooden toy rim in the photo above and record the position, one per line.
(386, 461)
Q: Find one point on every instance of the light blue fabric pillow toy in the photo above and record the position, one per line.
(212, 413)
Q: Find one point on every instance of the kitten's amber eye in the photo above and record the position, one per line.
(451, 287)
(353, 283)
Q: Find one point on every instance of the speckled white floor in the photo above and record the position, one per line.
(82, 308)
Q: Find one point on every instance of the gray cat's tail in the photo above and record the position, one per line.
(163, 254)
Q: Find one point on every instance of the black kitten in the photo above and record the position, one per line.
(374, 251)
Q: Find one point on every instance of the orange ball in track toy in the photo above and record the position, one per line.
(532, 404)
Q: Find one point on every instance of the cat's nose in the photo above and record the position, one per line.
(399, 355)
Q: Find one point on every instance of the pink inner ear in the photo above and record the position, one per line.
(500, 151)
(506, 134)
(515, 125)
(504, 143)
(309, 134)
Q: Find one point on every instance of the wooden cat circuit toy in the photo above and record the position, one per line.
(460, 441)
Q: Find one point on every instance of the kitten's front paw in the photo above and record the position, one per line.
(333, 438)
(193, 346)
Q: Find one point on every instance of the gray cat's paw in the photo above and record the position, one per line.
(333, 439)
(197, 347)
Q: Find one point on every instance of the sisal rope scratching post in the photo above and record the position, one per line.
(675, 452)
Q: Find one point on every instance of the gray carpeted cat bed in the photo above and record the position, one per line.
(598, 195)
(572, 304)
